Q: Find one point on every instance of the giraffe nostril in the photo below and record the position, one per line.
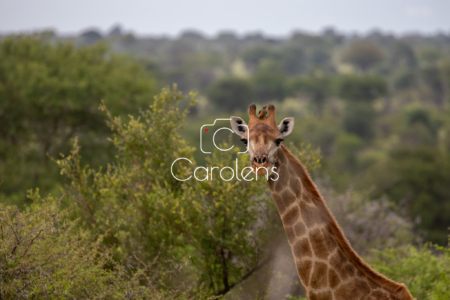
(255, 159)
(264, 159)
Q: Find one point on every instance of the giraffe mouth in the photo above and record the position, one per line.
(260, 169)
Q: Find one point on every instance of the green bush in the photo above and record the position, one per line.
(424, 270)
(43, 255)
(50, 91)
(215, 228)
(419, 178)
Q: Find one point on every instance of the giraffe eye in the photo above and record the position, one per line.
(244, 141)
(278, 142)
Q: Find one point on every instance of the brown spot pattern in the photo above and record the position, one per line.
(288, 198)
(291, 216)
(320, 296)
(329, 238)
(319, 277)
(333, 278)
(283, 172)
(296, 187)
(310, 214)
(372, 284)
(354, 289)
(362, 288)
(379, 295)
(338, 262)
(272, 183)
(390, 296)
(302, 249)
(349, 270)
(359, 273)
(341, 274)
(290, 234)
(299, 229)
(318, 243)
(304, 270)
(345, 292)
(279, 203)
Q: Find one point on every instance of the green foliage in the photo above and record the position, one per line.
(290, 297)
(49, 93)
(359, 119)
(355, 88)
(359, 93)
(44, 255)
(269, 81)
(405, 80)
(403, 55)
(316, 88)
(419, 178)
(213, 226)
(363, 55)
(253, 56)
(424, 270)
(368, 223)
(348, 146)
(435, 82)
(231, 94)
(121, 198)
(290, 58)
(310, 158)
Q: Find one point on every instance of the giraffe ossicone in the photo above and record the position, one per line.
(327, 265)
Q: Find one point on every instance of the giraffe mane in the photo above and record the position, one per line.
(398, 288)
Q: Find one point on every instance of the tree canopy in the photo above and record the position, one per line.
(50, 92)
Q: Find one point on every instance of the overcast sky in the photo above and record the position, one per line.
(276, 17)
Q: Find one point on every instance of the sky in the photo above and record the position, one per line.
(271, 17)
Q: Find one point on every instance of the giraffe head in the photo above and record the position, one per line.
(263, 138)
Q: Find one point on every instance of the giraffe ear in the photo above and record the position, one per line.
(286, 126)
(238, 125)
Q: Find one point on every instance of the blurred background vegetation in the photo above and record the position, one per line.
(372, 125)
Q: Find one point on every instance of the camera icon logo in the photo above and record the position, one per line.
(204, 129)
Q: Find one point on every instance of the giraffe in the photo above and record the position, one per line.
(328, 267)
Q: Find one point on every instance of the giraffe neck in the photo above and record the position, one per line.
(326, 264)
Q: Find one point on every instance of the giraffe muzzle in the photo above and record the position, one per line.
(260, 164)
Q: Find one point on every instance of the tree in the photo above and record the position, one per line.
(432, 76)
(359, 119)
(292, 59)
(215, 228)
(43, 255)
(253, 56)
(360, 88)
(405, 80)
(363, 55)
(403, 56)
(50, 92)
(316, 88)
(269, 81)
(423, 269)
(230, 93)
(359, 93)
(90, 37)
(419, 177)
